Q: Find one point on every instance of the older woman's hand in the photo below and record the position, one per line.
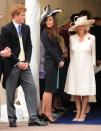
(98, 62)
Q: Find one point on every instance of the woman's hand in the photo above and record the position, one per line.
(98, 62)
(65, 53)
(61, 64)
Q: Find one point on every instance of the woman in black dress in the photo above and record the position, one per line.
(53, 60)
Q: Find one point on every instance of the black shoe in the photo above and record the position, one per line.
(41, 117)
(37, 121)
(12, 123)
(46, 118)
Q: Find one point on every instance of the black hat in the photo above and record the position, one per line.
(49, 12)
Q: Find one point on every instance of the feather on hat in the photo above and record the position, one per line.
(48, 12)
(81, 21)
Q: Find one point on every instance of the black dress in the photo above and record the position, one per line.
(53, 55)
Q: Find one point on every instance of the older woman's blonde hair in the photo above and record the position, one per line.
(87, 29)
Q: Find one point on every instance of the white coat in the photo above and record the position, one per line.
(80, 76)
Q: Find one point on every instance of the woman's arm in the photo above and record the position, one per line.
(93, 51)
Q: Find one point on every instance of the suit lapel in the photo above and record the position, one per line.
(14, 33)
(13, 30)
(23, 34)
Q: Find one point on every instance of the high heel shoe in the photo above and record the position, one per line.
(82, 119)
(46, 118)
(42, 117)
(75, 119)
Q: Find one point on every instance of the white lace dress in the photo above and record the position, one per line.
(80, 76)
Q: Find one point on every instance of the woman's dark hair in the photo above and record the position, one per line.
(97, 18)
(85, 13)
(53, 32)
(72, 18)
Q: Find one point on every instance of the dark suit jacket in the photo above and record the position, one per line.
(10, 39)
(2, 46)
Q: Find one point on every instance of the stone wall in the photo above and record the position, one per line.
(5, 6)
(73, 6)
(68, 6)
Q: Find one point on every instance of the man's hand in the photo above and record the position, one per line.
(6, 52)
(23, 65)
(26, 65)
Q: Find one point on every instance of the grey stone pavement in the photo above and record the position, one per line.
(51, 127)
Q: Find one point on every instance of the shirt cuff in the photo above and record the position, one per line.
(16, 64)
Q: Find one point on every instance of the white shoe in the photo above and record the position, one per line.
(82, 119)
(75, 119)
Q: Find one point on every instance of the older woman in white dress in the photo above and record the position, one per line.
(80, 80)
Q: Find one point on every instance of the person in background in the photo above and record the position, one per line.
(96, 30)
(16, 35)
(85, 13)
(80, 80)
(4, 52)
(53, 60)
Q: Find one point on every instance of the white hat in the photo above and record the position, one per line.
(48, 12)
(81, 21)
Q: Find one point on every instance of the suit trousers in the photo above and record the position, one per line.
(25, 79)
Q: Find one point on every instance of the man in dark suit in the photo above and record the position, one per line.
(16, 35)
(4, 52)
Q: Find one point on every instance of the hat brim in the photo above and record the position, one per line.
(50, 13)
(88, 23)
(54, 12)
